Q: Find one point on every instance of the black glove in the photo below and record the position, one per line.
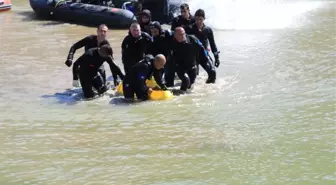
(68, 62)
(116, 83)
(164, 87)
(217, 62)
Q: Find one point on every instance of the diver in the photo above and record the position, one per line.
(135, 80)
(89, 42)
(183, 20)
(145, 20)
(204, 34)
(89, 64)
(186, 50)
(162, 44)
(134, 46)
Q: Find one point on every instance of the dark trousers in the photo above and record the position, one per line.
(101, 71)
(208, 67)
(188, 77)
(137, 86)
(169, 72)
(89, 82)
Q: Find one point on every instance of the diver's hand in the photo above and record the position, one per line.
(75, 83)
(164, 88)
(150, 90)
(217, 62)
(68, 62)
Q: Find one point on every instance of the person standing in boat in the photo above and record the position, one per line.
(183, 20)
(204, 34)
(134, 46)
(92, 41)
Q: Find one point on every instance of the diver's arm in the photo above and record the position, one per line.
(115, 70)
(203, 53)
(148, 42)
(212, 43)
(78, 45)
(123, 49)
(158, 79)
(76, 65)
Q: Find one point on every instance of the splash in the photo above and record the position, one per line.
(252, 14)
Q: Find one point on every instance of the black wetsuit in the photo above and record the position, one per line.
(134, 49)
(162, 44)
(205, 35)
(180, 21)
(145, 26)
(89, 77)
(185, 55)
(88, 43)
(135, 80)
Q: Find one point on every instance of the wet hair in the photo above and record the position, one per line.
(200, 13)
(145, 12)
(102, 25)
(135, 24)
(106, 49)
(155, 24)
(184, 6)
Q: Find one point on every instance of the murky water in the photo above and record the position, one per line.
(270, 119)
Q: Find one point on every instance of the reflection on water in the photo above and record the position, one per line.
(269, 119)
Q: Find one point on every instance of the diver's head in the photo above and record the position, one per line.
(105, 51)
(199, 17)
(159, 61)
(180, 35)
(135, 30)
(102, 31)
(145, 16)
(155, 28)
(185, 11)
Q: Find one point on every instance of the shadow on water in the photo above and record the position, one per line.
(121, 101)
(69, 97)
(74, 96)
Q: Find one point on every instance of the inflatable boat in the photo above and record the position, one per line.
(116, 14)
(5, 5)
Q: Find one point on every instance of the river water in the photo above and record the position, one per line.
(270, 119)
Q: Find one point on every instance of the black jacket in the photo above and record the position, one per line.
(144, 70)
(90, 62)
(88, 42)
(162, 44)
(180, 21)
(134, 49)
(185, 54)
(205, 36)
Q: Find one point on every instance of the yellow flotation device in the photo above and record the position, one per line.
(155, 95)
